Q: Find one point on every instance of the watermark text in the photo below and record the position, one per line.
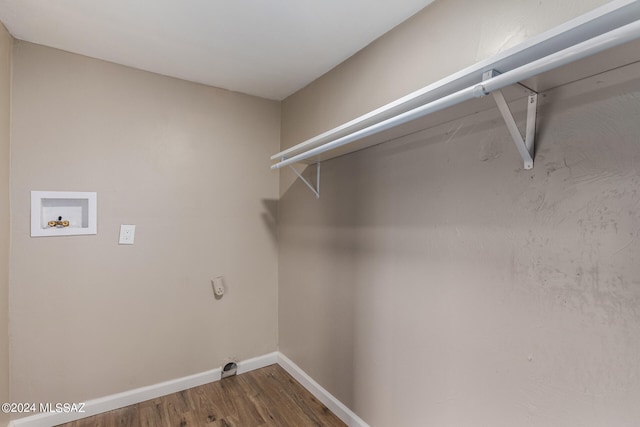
(49, 407)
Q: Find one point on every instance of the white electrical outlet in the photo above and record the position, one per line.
(127, 234)
(218, 287)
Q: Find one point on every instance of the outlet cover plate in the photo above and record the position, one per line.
(127, 234)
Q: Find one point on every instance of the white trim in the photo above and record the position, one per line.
(345, 414)
(131, 397)
(120, 400)
(257, 362)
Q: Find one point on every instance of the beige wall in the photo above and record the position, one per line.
(435, 282)
(186, 164)
(5, 87)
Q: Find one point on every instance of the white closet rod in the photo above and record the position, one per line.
(571, 54)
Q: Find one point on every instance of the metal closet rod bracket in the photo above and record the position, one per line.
(316, 189)
(526, 145)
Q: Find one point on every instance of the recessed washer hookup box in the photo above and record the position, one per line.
(63, 213)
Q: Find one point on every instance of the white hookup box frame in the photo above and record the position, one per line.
(79, 208)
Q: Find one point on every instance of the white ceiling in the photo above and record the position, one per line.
(268, 48)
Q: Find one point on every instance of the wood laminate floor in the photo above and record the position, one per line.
(264, 397)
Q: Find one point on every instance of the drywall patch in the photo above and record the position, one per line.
(581, 251)
(593, 234)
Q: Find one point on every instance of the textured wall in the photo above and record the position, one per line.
(186, 164)
(435, 282)
(5, 88)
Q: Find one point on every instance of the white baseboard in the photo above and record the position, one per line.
(131, 397)
(120, 400)
(345, 414)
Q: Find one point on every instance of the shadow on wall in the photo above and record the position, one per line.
(270, 218)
